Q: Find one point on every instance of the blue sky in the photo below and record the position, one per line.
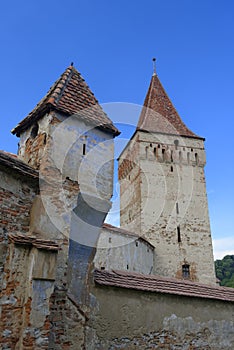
(112, 44)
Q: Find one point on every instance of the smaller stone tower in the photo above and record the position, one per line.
(163, 191)
(69, 139)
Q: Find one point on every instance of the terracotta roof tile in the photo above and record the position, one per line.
(70, 95)
(159, 114)
(32, 241)
(153, 283)
(11, 162)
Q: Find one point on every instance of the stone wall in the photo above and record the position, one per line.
(170, 191)
(128, 319)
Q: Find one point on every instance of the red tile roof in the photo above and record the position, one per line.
(153, 283)
(70, 95)
(33, 241)
(10, 162)
(158, 113)
(122, 231)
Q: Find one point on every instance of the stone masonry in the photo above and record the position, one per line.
(68, 281)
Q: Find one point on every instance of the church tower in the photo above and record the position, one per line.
(163, 190)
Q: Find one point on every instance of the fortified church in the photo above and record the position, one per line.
(70, 281)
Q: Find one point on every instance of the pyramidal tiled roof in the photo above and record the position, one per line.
(158, 113)
(70, 95)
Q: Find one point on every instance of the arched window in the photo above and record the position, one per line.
(196, 158)
(34, 131)
(176, 143)
(186, 271)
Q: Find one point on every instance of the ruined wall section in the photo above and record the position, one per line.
(143, 320)
(16, 198)
(33, 141)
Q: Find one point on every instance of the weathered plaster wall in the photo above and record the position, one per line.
(119, 251)
(172, 193)
(141, 320)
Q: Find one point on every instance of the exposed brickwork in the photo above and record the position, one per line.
(67, 324)
(34, 150)
(15, 209)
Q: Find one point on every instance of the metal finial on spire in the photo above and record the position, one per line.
(72, 64)
(154, 66)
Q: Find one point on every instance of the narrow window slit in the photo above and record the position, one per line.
(180, 156)
(178, 234)
(84, 149)
(188, 157)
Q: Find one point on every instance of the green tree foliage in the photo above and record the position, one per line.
(225, 270)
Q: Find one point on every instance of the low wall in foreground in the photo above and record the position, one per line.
(135, 319)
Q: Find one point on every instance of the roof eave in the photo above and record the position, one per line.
(30, 119)
(48, 107)
(170, 134)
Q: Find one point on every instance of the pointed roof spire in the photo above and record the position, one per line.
(154, 66)
(158, 113)
(69, 95)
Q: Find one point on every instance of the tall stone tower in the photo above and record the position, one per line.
(163, 190)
